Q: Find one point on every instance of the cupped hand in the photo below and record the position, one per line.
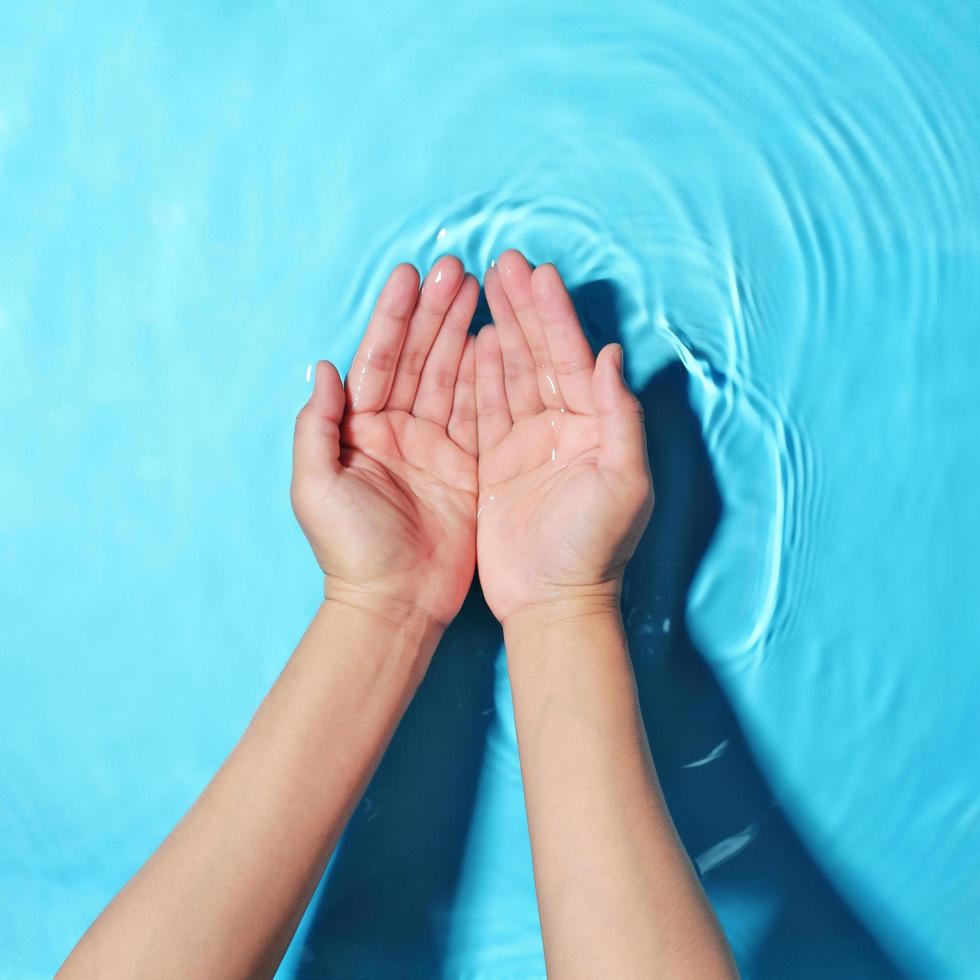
(565, 489)
(384, 467)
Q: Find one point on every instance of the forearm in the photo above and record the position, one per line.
(616, 892)
(223, 894)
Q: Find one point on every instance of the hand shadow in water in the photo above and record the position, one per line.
(392, 882)
(754, 861)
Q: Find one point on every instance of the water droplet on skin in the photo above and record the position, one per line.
(554, 389)
(484, 506)
(438, 277)
(556, 428)
(356, 397)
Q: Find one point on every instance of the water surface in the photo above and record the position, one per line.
(774, 206)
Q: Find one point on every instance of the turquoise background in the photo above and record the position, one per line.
(775, 206)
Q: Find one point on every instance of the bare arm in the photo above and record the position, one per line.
(617, 893)
(565, 494)
(225, 891)
(384, 486)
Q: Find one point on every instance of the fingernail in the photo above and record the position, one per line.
(318, 370)
(619, 360)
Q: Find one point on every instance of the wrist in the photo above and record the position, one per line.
(391, 612)
(573, 607)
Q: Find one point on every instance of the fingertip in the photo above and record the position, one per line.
(486, 338)
(404, 271)
(470, 284)
(328, 389)
(512, 261)
(607, 377)
(493, 288)
(614, 353)
(332, 371)
(451, 261)
(404, 279)
(447, 268)
(545, 280)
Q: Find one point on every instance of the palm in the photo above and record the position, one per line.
(410, 492)
(384, 481)
(564, 487)
(540, 492)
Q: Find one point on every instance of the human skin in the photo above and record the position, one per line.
(384, 486)
(516, 446)
(565, 494)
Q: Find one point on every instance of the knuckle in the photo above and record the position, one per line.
(514, 369)
(634, 408)
(412, 362)
(443, 378)
(575, 365)
(382, 358)
(465, 413)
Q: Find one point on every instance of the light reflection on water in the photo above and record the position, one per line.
(773, 206)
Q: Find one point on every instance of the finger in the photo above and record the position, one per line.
(515, 277)
(434, 399)
(316, 444)
(520, 374)
(370, 376)
(438, 291)
(462, 420)
(492, 412)
(570, 350)
(622, 438)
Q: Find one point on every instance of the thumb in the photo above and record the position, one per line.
(316, 444)
(622, 438)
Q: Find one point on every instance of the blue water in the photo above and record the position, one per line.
(775, 206)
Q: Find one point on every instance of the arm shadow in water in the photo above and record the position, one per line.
(390, 887)
(755, 862)
(393, 878)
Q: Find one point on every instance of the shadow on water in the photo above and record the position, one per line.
(392, 882)
(390, 889)
(725, 805)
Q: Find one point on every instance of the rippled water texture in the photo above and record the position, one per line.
(775, 206)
